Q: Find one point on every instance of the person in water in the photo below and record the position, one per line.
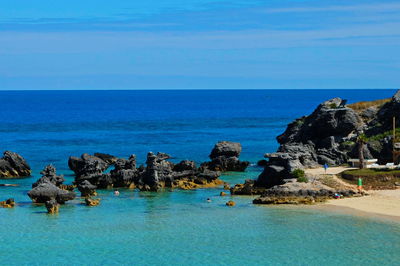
(208, 200)
(116, 193)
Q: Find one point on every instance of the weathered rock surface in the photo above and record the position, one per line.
(225, 157)
(311, 141)
(13, 165)
(87, 189)
(47, 191)
(294, 192)
(49, 175)
(89, 164)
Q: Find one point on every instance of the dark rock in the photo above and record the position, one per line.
(109, 159)
(49, 175)
(158, 173)
(226, 149)
(262, 163)
(185, 165)
(225, 157)
(125, 173)
(47, 191)
(52, 206)
(87, 189)
(87, 165)
(13, 165)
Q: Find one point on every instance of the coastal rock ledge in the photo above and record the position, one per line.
(329, 135)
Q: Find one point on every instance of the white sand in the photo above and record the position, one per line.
(382, 202)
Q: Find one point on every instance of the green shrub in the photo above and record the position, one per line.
(333, 106)
(300, 175)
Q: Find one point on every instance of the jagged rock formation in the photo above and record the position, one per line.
(49, 187)
(225, 157)
(13, 165)
(328, 136)
(158, 173)
(49, 175)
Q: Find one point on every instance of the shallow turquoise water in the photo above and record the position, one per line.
(177, 227)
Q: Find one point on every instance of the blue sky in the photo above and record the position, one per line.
(176, 44)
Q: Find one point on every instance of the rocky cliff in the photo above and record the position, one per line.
(329, 136)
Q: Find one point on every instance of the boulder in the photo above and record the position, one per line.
(226, 149)
(125, 173)
(13, 165)
(225, 157)
(47, 191)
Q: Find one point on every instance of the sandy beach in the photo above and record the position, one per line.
(379, 202)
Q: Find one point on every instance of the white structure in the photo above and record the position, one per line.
(368, 163)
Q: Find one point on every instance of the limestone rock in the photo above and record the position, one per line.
(13, 165)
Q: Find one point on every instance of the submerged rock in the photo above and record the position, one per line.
(52, 206)
(92, 202)
(9, 203)
(13, 165)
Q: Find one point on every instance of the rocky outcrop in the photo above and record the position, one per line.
(90, 165)
(293, 192)
(9, 203)
(52, 206)
(311, 141)
(87, 189)
(225, 157)
(158, 173)
(48, 191)
(49, 175)
(92, 202)
(13, 165)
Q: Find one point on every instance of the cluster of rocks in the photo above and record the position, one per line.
(327, 136)
(158, 173)
(13, 165)
(9, 203)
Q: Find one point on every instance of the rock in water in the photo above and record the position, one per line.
(87, 189)
(92, 202)
(225, 157)
(47, 191)
(49, 175)
(10, 203)
(87, 165)
(13, 165)
(230, 203)
(52, 206)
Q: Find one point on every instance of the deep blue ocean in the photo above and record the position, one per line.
(180, 227)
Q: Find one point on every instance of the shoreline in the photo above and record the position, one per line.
(381, 204)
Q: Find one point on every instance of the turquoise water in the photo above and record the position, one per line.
(177, 227)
